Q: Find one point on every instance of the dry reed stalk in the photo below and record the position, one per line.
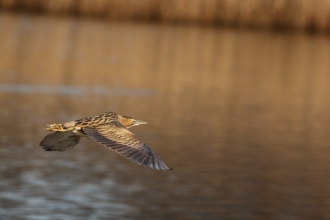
(296, 14)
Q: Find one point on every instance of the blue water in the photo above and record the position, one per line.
(74, 90)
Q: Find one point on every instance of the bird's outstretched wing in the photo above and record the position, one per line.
(60, 141)
(115, 136)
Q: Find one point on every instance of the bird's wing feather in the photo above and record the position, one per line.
(115, 136)
(60, 141)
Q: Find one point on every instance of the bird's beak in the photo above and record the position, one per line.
(139, 122)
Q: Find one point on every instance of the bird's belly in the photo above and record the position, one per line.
(79, 132)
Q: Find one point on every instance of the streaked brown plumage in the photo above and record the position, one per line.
(108, 129)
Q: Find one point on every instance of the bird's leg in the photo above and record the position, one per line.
(56, 127)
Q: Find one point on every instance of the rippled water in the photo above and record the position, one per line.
(241, 116)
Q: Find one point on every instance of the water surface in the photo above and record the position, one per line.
(241, 116)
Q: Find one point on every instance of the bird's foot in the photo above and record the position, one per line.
(56, 127)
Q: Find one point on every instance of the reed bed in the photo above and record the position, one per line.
(279, 14)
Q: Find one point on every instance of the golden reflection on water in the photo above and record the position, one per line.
(241, 116)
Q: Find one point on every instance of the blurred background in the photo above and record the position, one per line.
(236, 94)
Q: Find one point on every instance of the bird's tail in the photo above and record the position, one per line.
(60, 141)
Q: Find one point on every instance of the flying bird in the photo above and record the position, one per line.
(108, 129)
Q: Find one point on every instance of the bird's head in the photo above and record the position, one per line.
(130, 122)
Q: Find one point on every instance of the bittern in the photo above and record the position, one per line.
(108, 129)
